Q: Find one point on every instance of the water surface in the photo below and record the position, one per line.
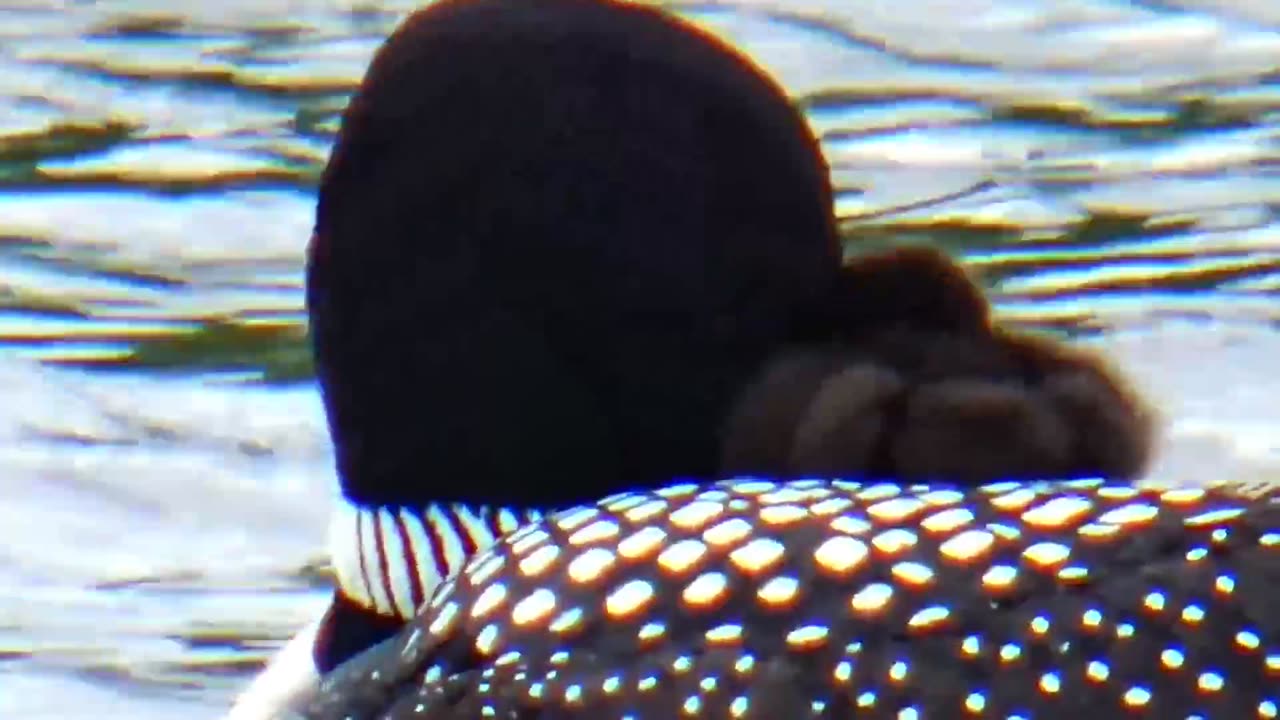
(1111, 169)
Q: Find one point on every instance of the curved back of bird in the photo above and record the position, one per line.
(759, 599)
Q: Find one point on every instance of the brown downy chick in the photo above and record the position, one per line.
(929, 391)
(908, 287)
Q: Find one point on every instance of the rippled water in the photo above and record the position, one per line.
(1111, 168)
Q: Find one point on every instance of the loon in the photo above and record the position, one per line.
(568, 250)
(552, 242)
(916, 584)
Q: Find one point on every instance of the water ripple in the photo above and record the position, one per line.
(1109, 169)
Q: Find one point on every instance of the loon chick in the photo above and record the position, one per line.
(926, 389)
(836, 599)
(553, 242)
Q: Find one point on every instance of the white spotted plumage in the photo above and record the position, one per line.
(673, 578)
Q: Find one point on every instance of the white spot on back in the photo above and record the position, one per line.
(590, 565)
(484, 566)
(489, 600)
(1133, 514)
(1047, 554)
(912, 573)
(807, 636)
(947, 520)
(1058, 512)
(778, 591)
(871, 599)
(758, 555)
(646, 511)
(751, 487)
(705, 590)
(695, 515)
(534, 607)
(850, 525)
(642, 543)
(727, 532)
(782, 515)
(967, 545)
(528, 537)
(895, 509)
(628, 599)
(595, 532)
(896, 540)
(678, 490)
(831, 506)
(537, 562)
(1015, 500)
(572, 519)
(442, 624)
(840, 555)
(681, 556)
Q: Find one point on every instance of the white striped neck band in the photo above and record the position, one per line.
(390, 559)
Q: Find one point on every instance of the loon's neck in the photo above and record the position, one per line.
(388, 559)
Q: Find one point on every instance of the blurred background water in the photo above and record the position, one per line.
(1111, 168)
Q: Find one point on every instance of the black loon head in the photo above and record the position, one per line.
(828, 599)
(552, 242)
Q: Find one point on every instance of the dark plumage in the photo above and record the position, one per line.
(909, 287)
(927, 389)
(756, 599)
(553, 241)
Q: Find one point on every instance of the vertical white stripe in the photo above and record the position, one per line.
(398, 569)
(369, 549)
(475, 526)
(442, 529)
(344, 551)
(429, 576)
(392, 595)
(507, 521)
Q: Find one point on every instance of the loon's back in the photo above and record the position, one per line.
(756, 599)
